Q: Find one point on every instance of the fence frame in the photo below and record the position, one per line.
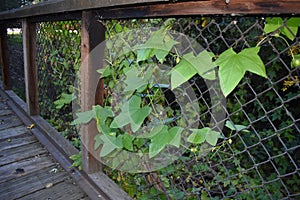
(58, 10)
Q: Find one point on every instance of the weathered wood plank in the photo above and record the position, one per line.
(58, 150)
(4, 58)
(12, 132)
(31, 165)
(150, 8)
(93, 33)
(5, 112)
(209, 7)
(20, 153)
(30, 183)
(62, 6)
(30, 67)
(9, 121)
(14, 142)
(62, 191)
(109, 187)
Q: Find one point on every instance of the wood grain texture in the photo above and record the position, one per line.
(92, 34)
(70, 9)
(4, 59)
(27, 170)
(55, 143)
(30, 67)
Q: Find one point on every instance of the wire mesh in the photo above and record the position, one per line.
(16, 63)
(58, 47)
(259, 162)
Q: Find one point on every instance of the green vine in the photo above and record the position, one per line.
(143, 103)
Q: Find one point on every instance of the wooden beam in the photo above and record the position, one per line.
(92, 57)
(208, 7)
(4, 58)
(30, 67)
(63, 6)
(150, 8)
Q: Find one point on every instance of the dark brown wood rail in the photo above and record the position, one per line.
(93, 33)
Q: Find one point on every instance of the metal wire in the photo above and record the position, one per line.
(261, 162)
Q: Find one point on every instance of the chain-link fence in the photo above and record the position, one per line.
(258, 154)
(258, 157)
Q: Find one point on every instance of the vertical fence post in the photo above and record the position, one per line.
(30, 66)
(93, 33)
(4, 58)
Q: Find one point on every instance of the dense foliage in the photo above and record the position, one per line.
(58, 62)
(252, 154)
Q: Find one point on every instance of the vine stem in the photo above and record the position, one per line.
(279, 36)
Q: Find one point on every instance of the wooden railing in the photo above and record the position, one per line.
(93, 33)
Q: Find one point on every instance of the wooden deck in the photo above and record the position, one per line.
(27, 170)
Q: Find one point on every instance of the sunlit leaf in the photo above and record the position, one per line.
(290, 29)
(233, 67)
(292, 24)
(272, 24)
(191, 65)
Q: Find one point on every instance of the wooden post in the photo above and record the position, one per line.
(4, 58)
(30, 67)
(92, 57)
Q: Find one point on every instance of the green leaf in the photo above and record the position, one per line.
(64, 99)
(98, 141)
(101, 115)
(77, 160)
(110, 143)
(198, 135)
(272, 24)
(175, 136)
(144, 54)
(105, 72)
(131, 114)
(212, 137)
(163, 138)
(289, 30)
(292, 24)
(234, 127)
(159, 44)
(233, 67)
(190, 65)
(84, 117)
(134, 81)
(127, 141)
(154, 131)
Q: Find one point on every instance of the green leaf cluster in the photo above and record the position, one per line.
(289, 29)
